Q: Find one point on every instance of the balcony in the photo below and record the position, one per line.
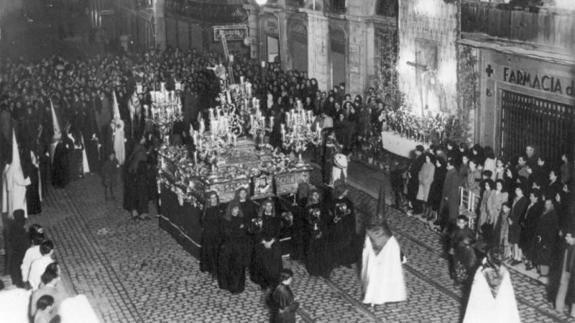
(546, 27)
(207, 11)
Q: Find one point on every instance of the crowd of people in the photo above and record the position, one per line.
(480, 202)
(70, 118)
(39, 294)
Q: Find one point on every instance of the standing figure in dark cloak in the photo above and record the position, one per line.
(136, 184)
(267, 261)
(33, 191)
(76, 154)
(413, 179)
(211, 222)
(283, 304)
(19, 243)
(343, 240)
(546, 233)
(61, 163)
(249, 211)
(529, 227)
(318, 259)
(234, 252)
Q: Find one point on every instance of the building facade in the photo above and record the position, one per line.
(526, 76)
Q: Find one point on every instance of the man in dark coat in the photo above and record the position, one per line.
(450, 196)
(518, 209)
(567, 282)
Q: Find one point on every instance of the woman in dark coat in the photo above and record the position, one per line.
(434, 198)
(267, 261)
(518, 209)
(318, 261)
(234, 252)
(546, 233)
(529, 227)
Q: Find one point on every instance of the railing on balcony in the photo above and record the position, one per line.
(337, 6)
(541, 26)
(214, 13)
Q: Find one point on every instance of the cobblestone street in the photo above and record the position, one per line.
(135, 272)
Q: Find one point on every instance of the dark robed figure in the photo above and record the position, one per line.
(283, 304)
(234, 252)
(344, 240)
(267, 261)
(211, 222)
(61, 163)
(318, 260)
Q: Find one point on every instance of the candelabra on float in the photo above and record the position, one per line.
(297, 132)
(259, 125)
(166, 108)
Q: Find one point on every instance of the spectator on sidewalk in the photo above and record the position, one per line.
(52, 285)
(44, 306)
(18, 246)
(36, 233)
(39, 265)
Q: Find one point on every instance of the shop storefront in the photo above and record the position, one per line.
(526, 101)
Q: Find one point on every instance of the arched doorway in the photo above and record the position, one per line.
(338, 55)
(297, 44)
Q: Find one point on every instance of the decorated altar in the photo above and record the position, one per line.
(228, 153)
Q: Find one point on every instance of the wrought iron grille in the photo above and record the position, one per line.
(528, 120)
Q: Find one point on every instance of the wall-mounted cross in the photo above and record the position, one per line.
(489, 70)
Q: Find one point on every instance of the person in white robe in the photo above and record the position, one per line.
(77, 309)
(118, 134)
(57, 136)
(382, 275)
(14, 184)
(492, 299)
(14, 304)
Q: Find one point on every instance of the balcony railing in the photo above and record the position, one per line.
(337, 6)
(214, 13)
(541, 26)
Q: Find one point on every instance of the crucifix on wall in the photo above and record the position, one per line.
(425, 64)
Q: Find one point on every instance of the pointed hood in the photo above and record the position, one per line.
(115, 107)
(16, 164)
(55, 123)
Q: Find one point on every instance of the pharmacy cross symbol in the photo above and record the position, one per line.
(489, 70)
